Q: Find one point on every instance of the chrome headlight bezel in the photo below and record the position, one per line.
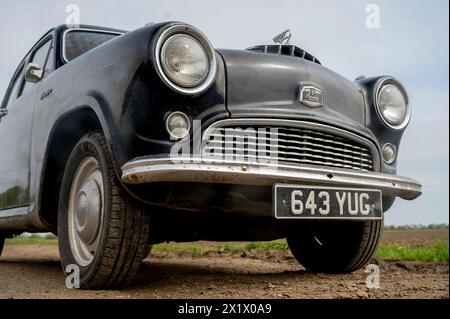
(203, 41)
(383, 83)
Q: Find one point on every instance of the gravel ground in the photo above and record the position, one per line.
(33, 271)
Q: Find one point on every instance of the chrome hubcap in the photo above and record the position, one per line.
(85, 211)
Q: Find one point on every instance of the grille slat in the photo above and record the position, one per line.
(342, 157)
(303, 136)
(318, 148)
(291, 156)
(288, 145)
(294, 160)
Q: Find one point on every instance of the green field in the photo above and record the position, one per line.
(32, 240)
(437, 252)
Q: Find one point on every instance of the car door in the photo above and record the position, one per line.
(16, 127)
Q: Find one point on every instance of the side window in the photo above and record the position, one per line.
(41, 56)
(15, 88)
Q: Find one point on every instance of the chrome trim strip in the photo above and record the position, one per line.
(296, 124)
(201, 170)
(82, 30)
(14, 219)
(14, 212)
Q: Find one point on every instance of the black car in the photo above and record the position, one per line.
(118, 140)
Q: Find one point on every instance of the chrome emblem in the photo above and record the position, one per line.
(311, 96)
(283, 38)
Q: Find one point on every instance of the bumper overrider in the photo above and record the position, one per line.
(149, 170)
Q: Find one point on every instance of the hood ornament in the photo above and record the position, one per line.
(283, 38)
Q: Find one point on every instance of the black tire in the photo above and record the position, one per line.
(335, 246)
(148, 252)
(2, 243)
(123, 238)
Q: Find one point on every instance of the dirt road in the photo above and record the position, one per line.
(33, 271)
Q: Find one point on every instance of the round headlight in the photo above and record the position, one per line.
(389, 153)
(392, 104)
(184, 60)
(178, 125)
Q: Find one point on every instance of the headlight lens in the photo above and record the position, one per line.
(184, 60)
(392, 104)
(178, 125)
(388, 153)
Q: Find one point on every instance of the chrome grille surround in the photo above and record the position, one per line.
(297, 143)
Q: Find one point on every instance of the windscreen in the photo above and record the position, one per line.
(78, 42)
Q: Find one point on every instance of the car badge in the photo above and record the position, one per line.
(311, 95)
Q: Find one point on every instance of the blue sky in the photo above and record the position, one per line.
(411, 44)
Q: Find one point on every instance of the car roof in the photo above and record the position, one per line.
(64, 27)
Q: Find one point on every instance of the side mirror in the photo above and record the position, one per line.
(33, 73)
(3, 112)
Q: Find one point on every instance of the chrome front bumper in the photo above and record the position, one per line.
(148, 170)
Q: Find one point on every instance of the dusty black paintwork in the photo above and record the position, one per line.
(115, 88)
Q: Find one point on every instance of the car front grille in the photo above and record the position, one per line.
(289, 145)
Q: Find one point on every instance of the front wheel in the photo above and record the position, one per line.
(101, 228)
(2, 243)
(334, 246)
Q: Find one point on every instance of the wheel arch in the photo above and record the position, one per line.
(65, 134)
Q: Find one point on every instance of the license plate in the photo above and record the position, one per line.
(316, 202)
